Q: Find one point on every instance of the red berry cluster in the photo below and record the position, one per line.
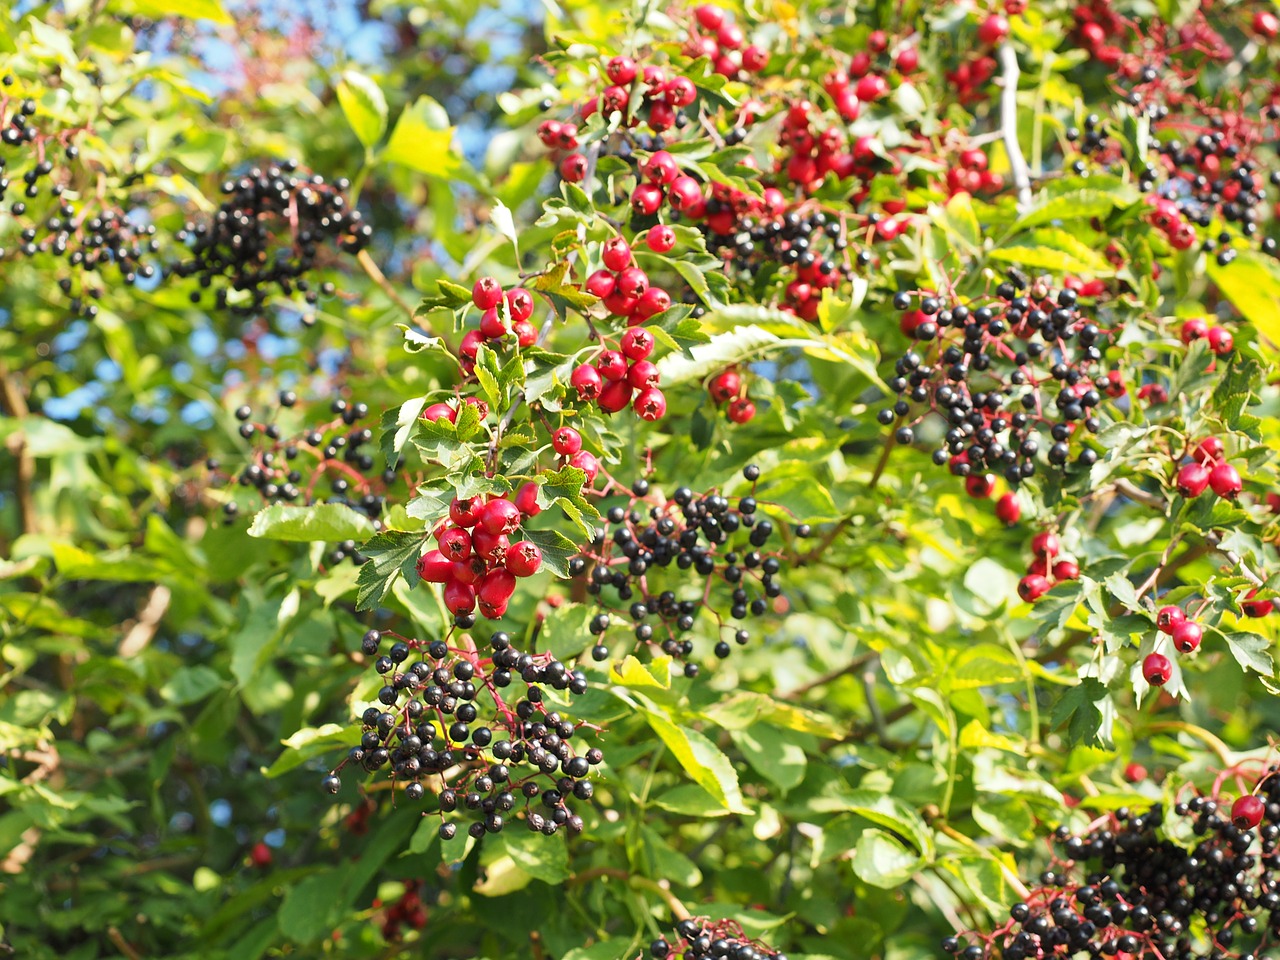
(475, 558)
(407, 911)
(1219, 338)
(1208, 469)
(971, 174)
(716, 35)
(624, 286)
(425, 729)
(1046, 567)
(865, 80)
(502, 313)
(728, 389)
(1097, 27)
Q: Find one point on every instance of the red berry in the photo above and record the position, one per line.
(601, 283)
(1225, 481)
(470, 345)
(1192, 480)
(492, 324)
(566, 441)
(440, 411)
(650, 404)
(1247, 811)
(587, 381)
(524, 559)
(633, 282)
(574, 168)
(637, 343)
(725, 386)
(467, 571)
(1266, 24)
(1220, 341)
(1256, 608)
(979, 485)
(680, 92)
(754, 59)
(1208, 450)
(520, 303)
(487, 293)
(643, 373)
(612, 365)
(615, 396)
(621, 70)
(488, 546)
(871, 88)
(1187, 636)
(661, 167)
(616, 254)
(709, 17)
(683, 193)
(1032, 587)
(527, 499)
(435, 567)
(1193, 329)
(1066, 570)
(730, 36)
(526, 333)
(654, 301)
(661, 116)
(1008, 510)
(660, 239)
(646, 199)
(619, 304)
(588, 463)
(1168, 618)
(993, 30)
(459, 597)
(500, 516)
(1046, 544)
(1135, 773)
(260, 855)
(1156, 669)
(741, 410)
(465, 513)
(455, 543)
(908, 60)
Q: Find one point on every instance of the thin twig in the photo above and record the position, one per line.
(1215, 540)
(1009, 125)
(378, 277)
(857, 663)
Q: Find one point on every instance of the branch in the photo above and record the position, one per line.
(1009, 125)
(140, 634)
(378, 277)
(16, 404)
(1215, 540)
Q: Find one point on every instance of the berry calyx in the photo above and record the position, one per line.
(1168, 618)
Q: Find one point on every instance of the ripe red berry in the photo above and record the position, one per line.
(847, 104)
(574, 168)
(871, 88)
(661, 167)
(566, 441)
(633, 282)
(619, 304)
(993, 30)
(612, 365)
(588, 463)
(1208, 450)
(524, 558)
(455, 543)
(661, 115)
(908, 60)
(500, 516)
(467, 571)
(1266, 24)
(1066, 570)
(470, 345)
(1225, 481)
(616, 254)
(680, 92)
(1193, 329)
(260, 855)
(520, 303)
(654, 301)
(435, 567)
(440, 411)
(730, 36)
(637, 343)
(1220, 341)
(527, 499)
(615, 396)
(1168, 618)
(459, 597)
(754, 59)
(1192, 480)
(1256, 608)
(741, 410)
(1032, 587)
(1135, 772)
(1157, 669)
(660, 239)
(621, 70)
(1008, 510)
(1187, 636)
(650, 404)
(646, 199)
(492, 324)
(465, 513)
(643, 373)
(1247, 812)
(526, 333)
(488, 546)
(1046, 544)
(725, 386)
(601, 283)
(683, 193)
(709, 17)
(487, 293)
(587, 381)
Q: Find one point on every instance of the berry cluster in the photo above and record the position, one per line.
(1047, 568)
(700, 939)
(728, 388)
(1209, 469)
(407, 911)
(425, 729)
(720, 538)
(715, 34)
(475, 559)
(1199, 884)
(502, 313)
(290, 469)
(998, 371)
(267, 234)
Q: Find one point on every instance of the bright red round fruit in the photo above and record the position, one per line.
(1220, 341)
(1046, 544)
(661, 167)
(1225, 481)
(1032, 587)
(1157, 669)
(1168, 618)
(660, 239)
(637, 343)
(1187, 636)
(993, 30)
(871, 88)
(1256, 608)
(465, 513)
(587, 381)
(435, 567)
(588, 463)
(520, 303)
(459, 597)
(725, 386)
(487, 293)
(1247, 812)
(1008, 510)
(455, 543)
(440, 411)
(1066, 570)
(566, 441)
(500, 516)
(524, 558)
(260, 855)
(742, 410)
(650, 404)
(615, 396)
(527, 499)
(1209, 450)
(616, 254)
(642, 374)
(1192, 480)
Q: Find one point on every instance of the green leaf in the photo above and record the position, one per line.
(881, 861)
(190, 685)
(363, 105)
(423, 141)
(1252, 283)
(505, 224)
(310, 742)
(189, 9)
(390, 554)
(960, 222)
(563, 488)
(1250, 651)
(548, 862)
(1076, 206)
(773, 753)
(1078, 710)
(564, 631)
(557, 550)
(312, 908)
(327, 522)
(703, 761)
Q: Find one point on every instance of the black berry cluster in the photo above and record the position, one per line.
(267, 235)
(1201, 883)
(999, 371)
(700, 939)
(428, 730)
(723, 540)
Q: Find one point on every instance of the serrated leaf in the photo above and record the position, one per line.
(391, 554)
(557, 550)
(327, 522)
(363, 105)
(1250, 651)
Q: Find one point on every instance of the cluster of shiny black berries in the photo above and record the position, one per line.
(1092, 142)
(291, 469)
(266, 237)
(1143, 885)
(427, 729)
(723, 540)
(700, 939)
(993, 374)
